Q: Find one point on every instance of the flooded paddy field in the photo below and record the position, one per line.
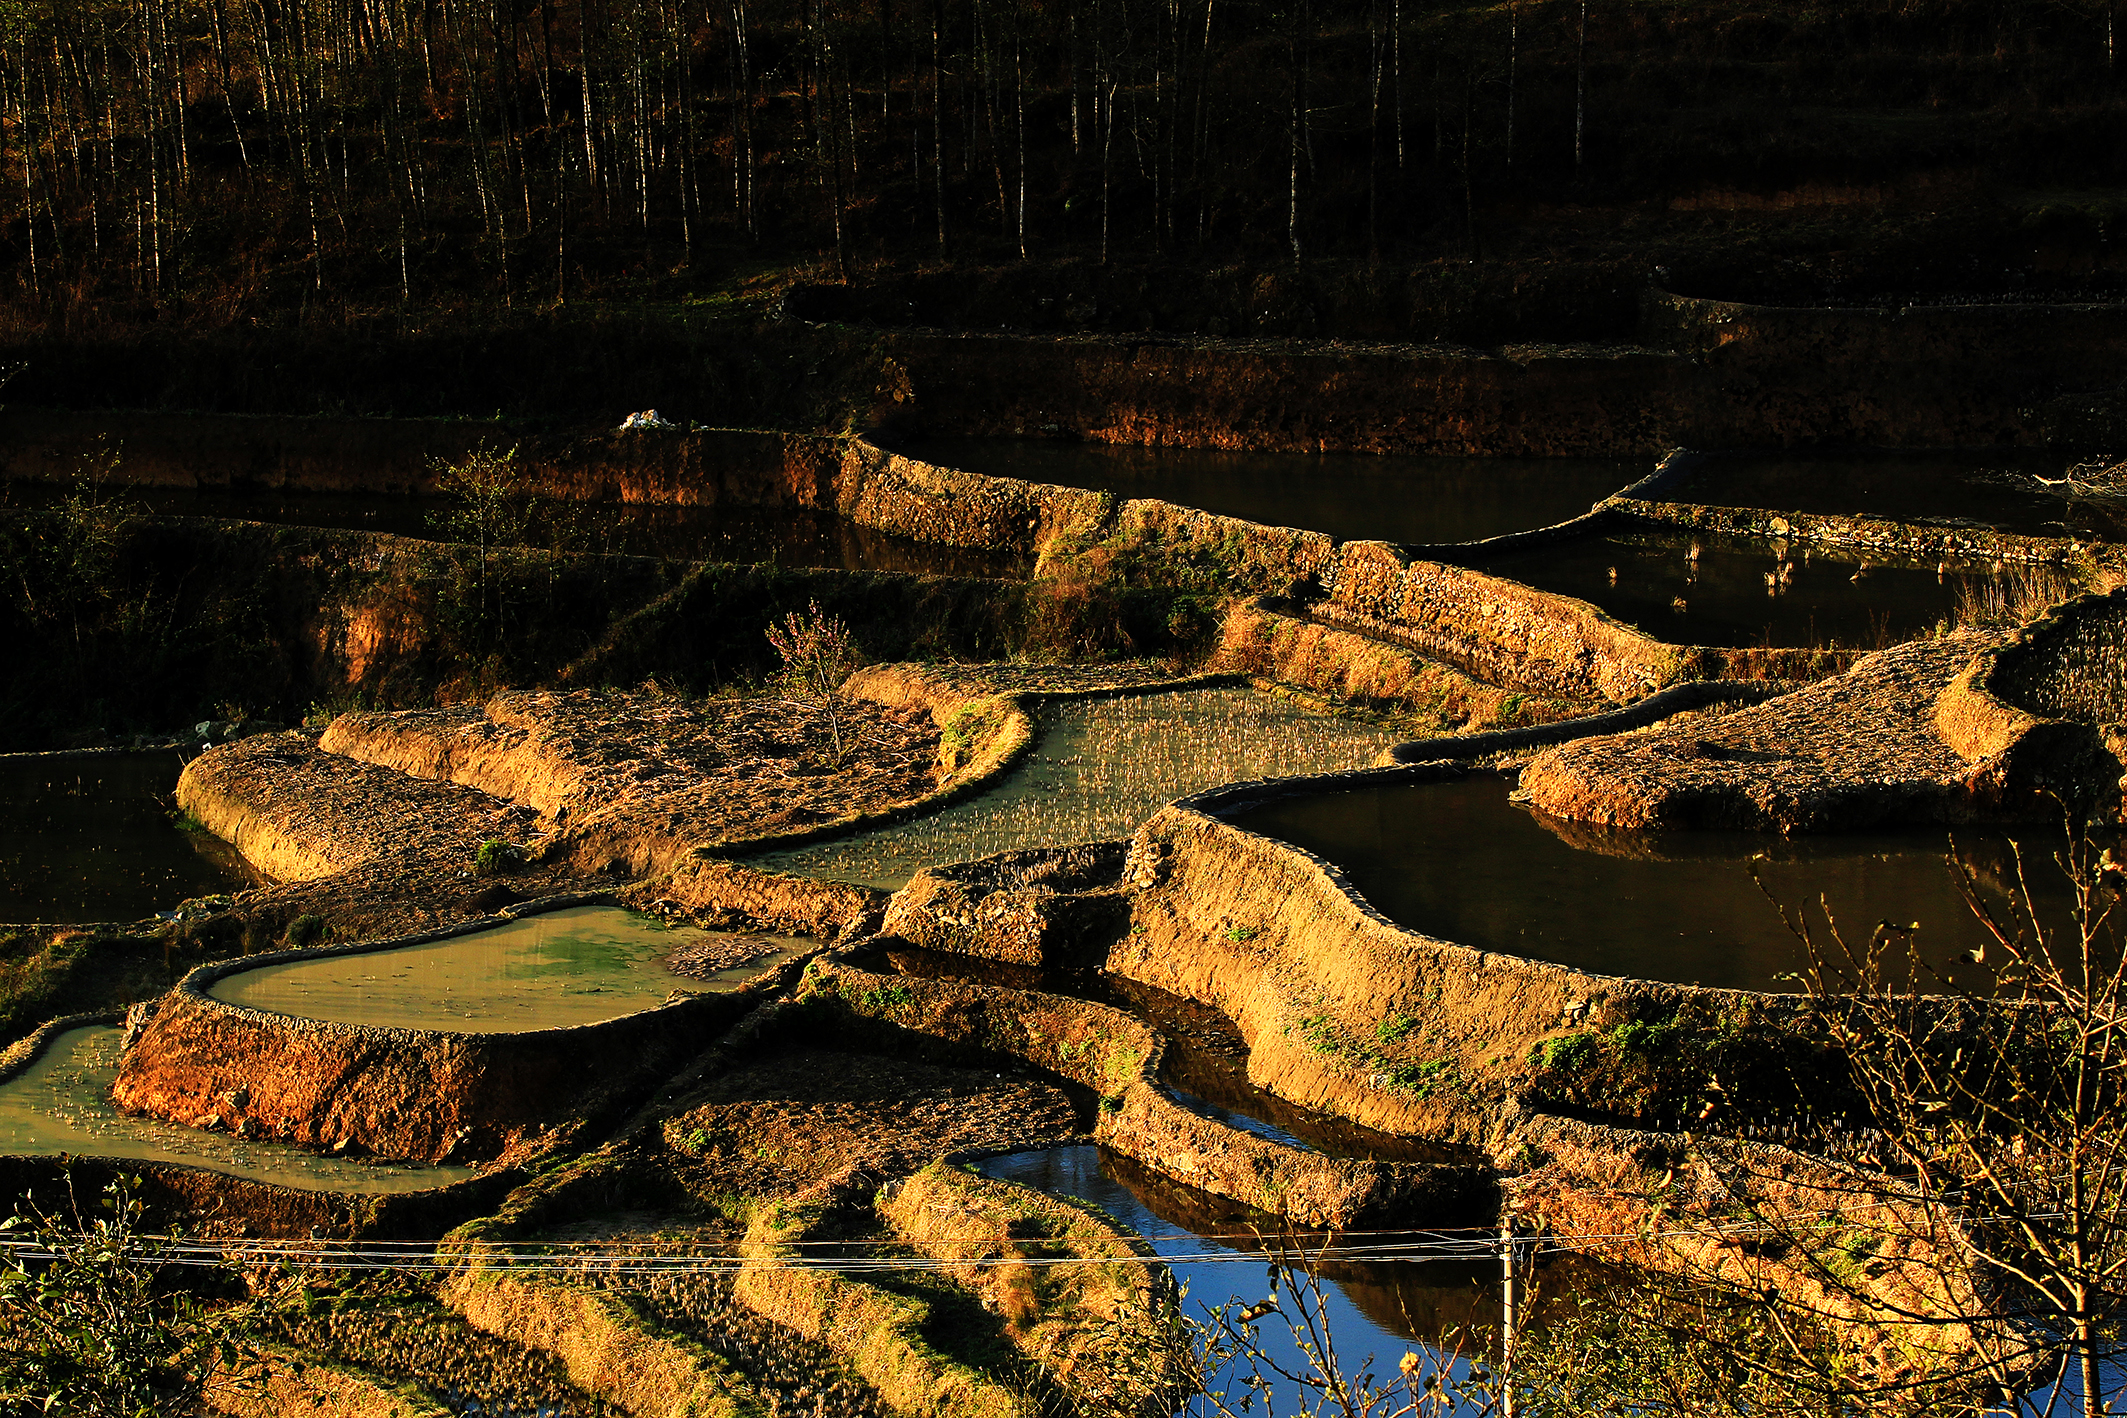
(61, 1104)
(1460, 862)
(89, 837)
(794, 536)
(1377, 1307)
(1740, 591)
(564, 968)
(1097, 769)
(1350, 496)
(2018, 491)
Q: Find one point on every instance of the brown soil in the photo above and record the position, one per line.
(639, 778)
(786, 1122)
(298, 813)
(369, 851)
(1847, 753)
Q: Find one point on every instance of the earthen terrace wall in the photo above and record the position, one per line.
(1280, 941)
(1118, 1057)
(417, 1095)
(2046, 707)
(1527, 639)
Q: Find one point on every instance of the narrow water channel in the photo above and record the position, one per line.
(61, 1103)
(1350, 496)
(1098, 769)
(1459, 862)
(552, 971)
(788, 536)
(1741, 591)
(89, 837)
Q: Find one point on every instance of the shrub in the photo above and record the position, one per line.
(497, 857)
(303, 930)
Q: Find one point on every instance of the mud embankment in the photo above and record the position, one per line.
(1947, 376)
(1118, 1057)
(412, 1095)
(1345, 1012)
(2045, 710)
(1525, 639)
(399, 457)
(216, 1204)
(1705, 373)
(1864, 749)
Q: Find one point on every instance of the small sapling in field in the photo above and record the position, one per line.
(497, 858)
(818, 654)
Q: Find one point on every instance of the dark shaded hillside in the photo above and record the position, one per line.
(1393, 168)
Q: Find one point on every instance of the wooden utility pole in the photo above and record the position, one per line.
(1513, 1263)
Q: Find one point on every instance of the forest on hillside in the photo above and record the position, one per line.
(239, 155)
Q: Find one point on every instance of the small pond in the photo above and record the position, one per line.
(1350, 496)
(552, 971)
(1098, 769)
(1723, 596)
(1459, 862)
(2019, 491)
(88, 837)
(790, 536)
(61, 1103)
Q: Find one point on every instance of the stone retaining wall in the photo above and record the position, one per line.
(1920, 377)
(414, 1095)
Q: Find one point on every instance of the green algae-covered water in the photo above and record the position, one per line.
(89, 838)
(552, 971)
(1098, 769)
(61, 1103)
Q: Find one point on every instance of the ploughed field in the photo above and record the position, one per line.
(61, 1106)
